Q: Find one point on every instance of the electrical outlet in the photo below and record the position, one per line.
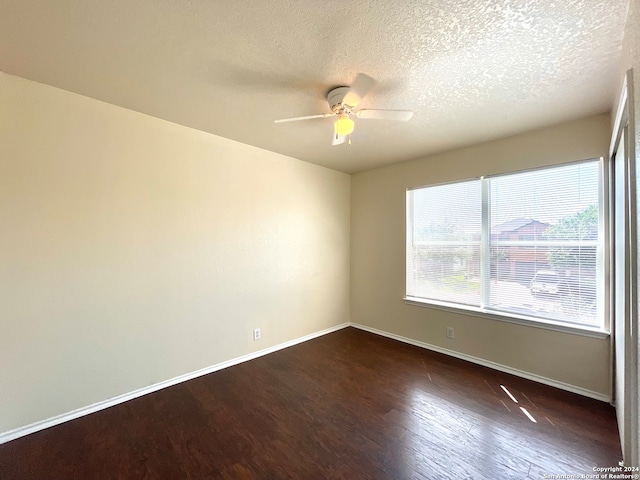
(256, 334)
(450, 332)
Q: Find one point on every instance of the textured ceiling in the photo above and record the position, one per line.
(472, 70)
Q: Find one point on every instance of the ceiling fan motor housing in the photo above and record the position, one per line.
(335, 98)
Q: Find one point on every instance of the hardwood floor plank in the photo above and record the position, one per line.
(348, 405)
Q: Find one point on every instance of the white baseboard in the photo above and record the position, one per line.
(487, 363)
(80, 412)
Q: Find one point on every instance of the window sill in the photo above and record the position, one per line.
(510, 318)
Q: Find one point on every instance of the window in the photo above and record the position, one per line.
(525, 245)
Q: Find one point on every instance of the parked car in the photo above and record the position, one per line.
(548, 283)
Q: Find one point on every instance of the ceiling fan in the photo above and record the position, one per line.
(343, 101)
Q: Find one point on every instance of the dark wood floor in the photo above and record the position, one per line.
(349, 405)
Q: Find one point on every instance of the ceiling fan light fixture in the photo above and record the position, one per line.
(343, 125)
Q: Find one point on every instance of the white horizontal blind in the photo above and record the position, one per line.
(443, 242)
(541, 257)
(544, 243)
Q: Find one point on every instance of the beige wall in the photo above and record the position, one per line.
(378, 263)
(134, 250)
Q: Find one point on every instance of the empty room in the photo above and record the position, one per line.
(309, 240)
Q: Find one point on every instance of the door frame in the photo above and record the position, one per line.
(627, 415)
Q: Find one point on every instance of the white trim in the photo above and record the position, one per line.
(490, 364)
(485, 247)
(507, 317)
(80, 412)
(622, 112)
(628, 416)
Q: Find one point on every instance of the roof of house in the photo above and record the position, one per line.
(514, 225)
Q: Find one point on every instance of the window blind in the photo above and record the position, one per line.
(444, 242)
(539, 255)
(544, 239)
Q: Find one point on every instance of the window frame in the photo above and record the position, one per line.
(509, 317)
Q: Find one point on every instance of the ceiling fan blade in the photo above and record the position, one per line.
(308, 117)
(375, 114)
(359, 88)
(338, 139)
